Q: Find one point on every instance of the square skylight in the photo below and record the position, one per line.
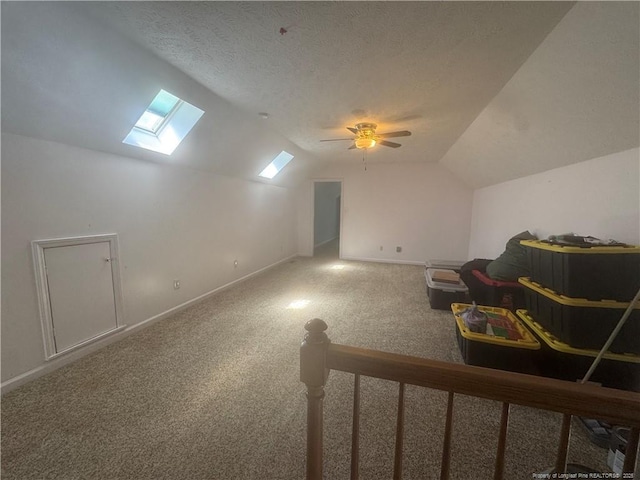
(164, 124)
(276, 165)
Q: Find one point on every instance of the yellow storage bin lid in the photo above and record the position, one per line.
(559, 346)
(527, 341)
(574, 249)
(570, 301)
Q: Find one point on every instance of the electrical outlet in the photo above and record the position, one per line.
(398, 249)
(176, 284)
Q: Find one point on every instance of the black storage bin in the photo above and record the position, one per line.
(442, 295)
(490, 351)
(583, 323)
(556, 359)
(593, 273)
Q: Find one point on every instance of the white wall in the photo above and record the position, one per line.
(598, 197)
(326, 216)
(173, 223)
(420, 207)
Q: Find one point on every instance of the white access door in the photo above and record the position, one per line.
(81, 292)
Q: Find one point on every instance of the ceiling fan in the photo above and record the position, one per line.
(366, 136)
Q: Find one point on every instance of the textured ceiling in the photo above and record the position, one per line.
(430, 67)
(491, 90)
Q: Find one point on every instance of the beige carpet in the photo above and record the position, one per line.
(214, 391)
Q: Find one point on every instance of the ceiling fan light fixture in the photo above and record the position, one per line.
(365, 142)
(366, 137)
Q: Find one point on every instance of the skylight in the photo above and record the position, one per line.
(164, 124)
(156, 113)
(276, 165)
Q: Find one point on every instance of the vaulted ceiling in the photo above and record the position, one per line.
(492, 90)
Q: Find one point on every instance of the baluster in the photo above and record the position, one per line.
(314, 374)
(502, 442)
(355, 431)
(563, 444)
(397, 462)
(631, 452)
(446, 447)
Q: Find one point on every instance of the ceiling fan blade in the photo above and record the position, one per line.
(352, 147)
(336, 139)
(402, 133)
(352, 130)
(389, 144)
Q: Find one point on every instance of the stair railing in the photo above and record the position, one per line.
(318, 356)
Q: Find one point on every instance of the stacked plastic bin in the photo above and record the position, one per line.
(443, 293)
(574, 300)
(504, 343)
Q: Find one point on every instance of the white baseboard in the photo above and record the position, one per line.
(384, 260)
(61, 361)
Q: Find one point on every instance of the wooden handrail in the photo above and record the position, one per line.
(318, 356)
(618, 407)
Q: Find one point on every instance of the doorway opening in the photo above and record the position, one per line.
(327, 218)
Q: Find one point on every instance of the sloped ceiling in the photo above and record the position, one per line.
(435, 68)
(576, 98)
(430, 67)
